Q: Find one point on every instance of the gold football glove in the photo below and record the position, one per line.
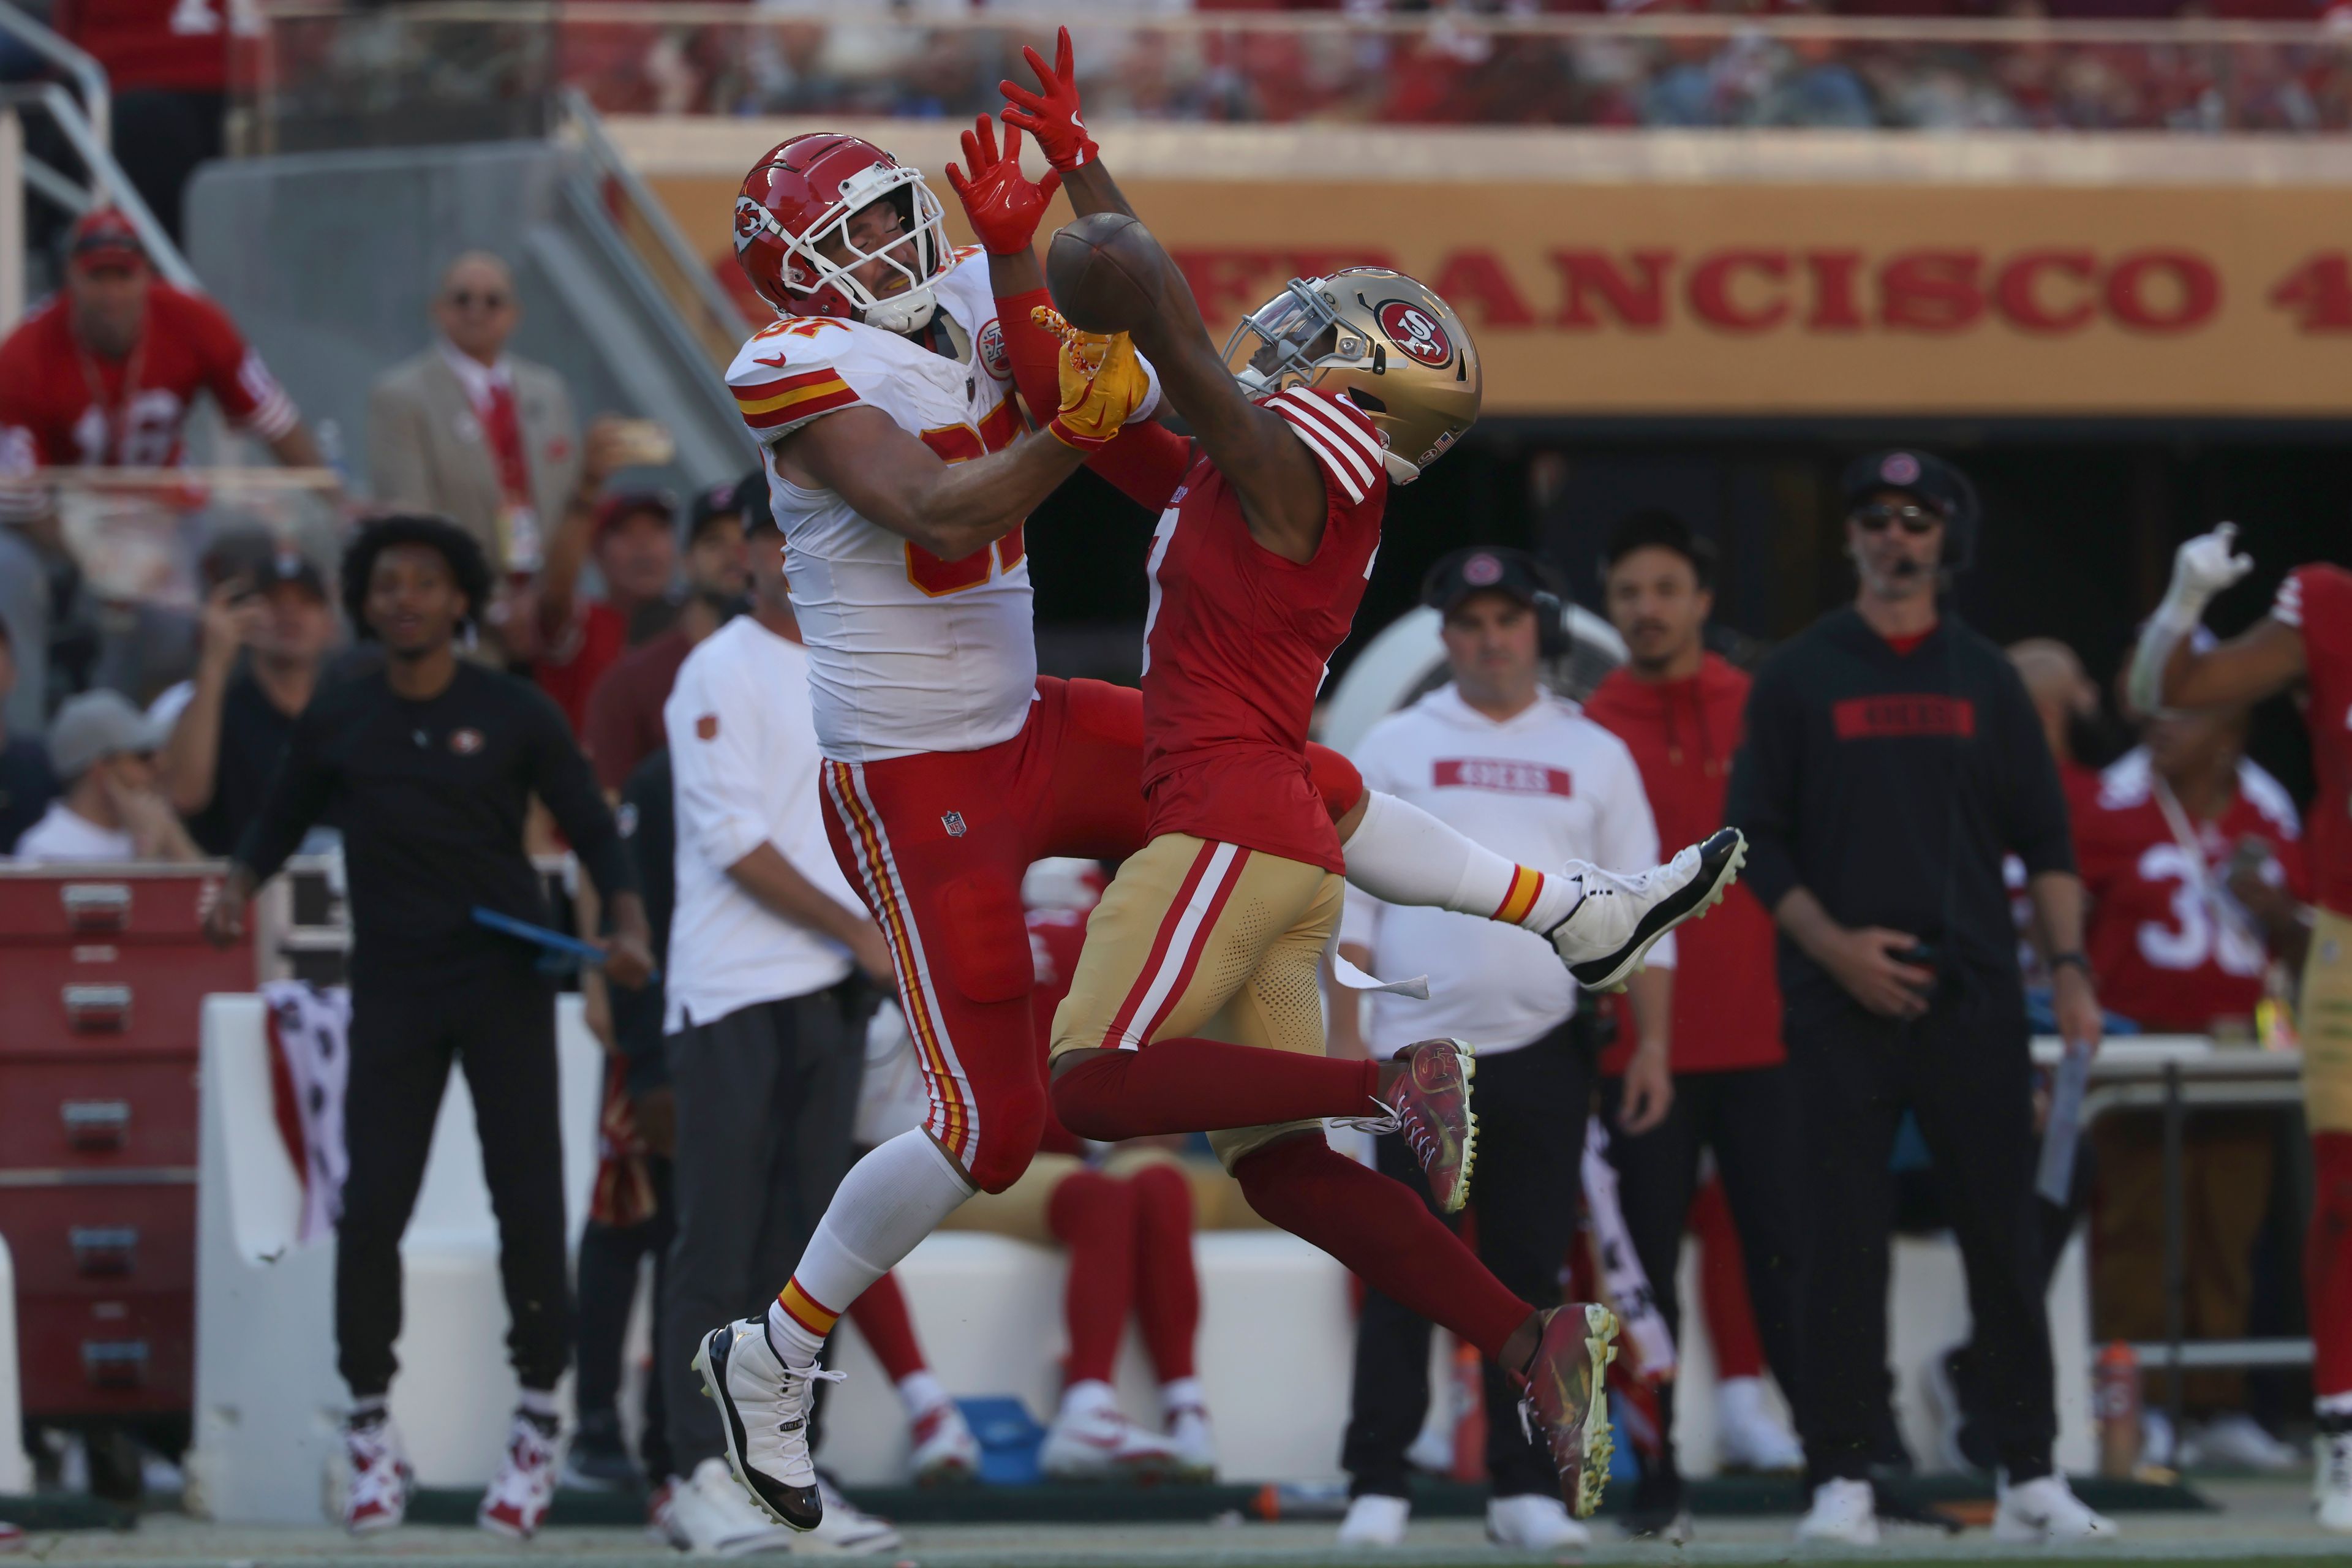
(1103, 383)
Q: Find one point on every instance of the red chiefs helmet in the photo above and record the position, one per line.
(804, 190)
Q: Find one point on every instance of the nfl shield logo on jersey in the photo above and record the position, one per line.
(953, 822)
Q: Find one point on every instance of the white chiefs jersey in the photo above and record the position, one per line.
(907, 652)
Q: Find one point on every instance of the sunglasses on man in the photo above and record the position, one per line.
(1878, 516)
(466, 299)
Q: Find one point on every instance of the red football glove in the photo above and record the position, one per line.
(1003, 207)
(1051, 116)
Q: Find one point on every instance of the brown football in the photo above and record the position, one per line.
(1103, 272)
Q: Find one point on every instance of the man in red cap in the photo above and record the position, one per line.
(103, 373)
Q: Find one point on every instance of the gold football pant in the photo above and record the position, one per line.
(1208, 940)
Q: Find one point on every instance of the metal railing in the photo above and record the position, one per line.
(97, 99)
(1681, 70)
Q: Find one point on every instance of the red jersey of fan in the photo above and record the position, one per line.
(63, 406)
(2317, 602)
(2172, 950)
(1055, 938)
(1238, 641)
(169, 45)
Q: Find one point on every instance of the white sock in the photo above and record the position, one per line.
(922, 1393)
(537, 1402)
(1402, 854)
(1088, 1395)
(1182, 1393)
(890, 1200)
(2333, 1403)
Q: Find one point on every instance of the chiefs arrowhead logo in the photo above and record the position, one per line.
(750, 220)
(464, 743)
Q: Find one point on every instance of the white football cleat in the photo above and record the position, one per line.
(945, 1451)
(1092, 1439)
(1194, 1442)
(1374, 1519)
(710, 1515)
(2043, 1511)
(764, 1411)
(848, 1529)
(1748, 1436)
(377, 1477)
(2235, 1440)
(2332, 1480)
(1844, 1513)
(1622, 915)
(1533, 1522)
(515, 1504)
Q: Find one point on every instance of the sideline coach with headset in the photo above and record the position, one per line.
(1528, 775)
(1891, 756)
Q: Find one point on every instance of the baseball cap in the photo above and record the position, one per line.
(261, 559)
(104, 236)
(1923, 476)
(710, 505)
(751, 501)
(622, 505)
(95, 726)
(1484, 569)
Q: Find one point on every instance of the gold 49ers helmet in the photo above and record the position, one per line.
(1389, 342)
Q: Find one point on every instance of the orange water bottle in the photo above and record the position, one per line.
(2114, 1405)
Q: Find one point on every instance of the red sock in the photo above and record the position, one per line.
(1206, 1085)
(888, 1331)
(2327, 1265)
(1094, 1217)
(1383, 1231)
(1723, 1287)
(1167, 1290)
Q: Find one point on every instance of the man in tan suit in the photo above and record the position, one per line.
(470, 431)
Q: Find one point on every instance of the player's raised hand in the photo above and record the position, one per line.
(1003, 205)
(1051, 114)
(1103, 382)
(2208, 563)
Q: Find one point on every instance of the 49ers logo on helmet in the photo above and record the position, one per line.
(1416, 331)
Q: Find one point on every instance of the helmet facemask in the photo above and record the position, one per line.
(1286, 340)
(917, 252)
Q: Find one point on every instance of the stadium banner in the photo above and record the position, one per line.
(2006, 279)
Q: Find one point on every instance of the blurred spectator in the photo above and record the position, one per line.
(1526, 773)
(624, 722)
(104, 375)
(2177, 951)
(104, 750)
(267, 629)
(1678, 708)
(471, 432)
(25, 622)
(28, 783)
(764, 1031)
(2066, 701)
(430, 762)
(167, 64)
(632, 538)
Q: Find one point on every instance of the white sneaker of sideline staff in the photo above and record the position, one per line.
(711, 1515)
(516, 1502)
(2332, 1480)
(846, 1528)
(1091, 1437)
(945, 1450)
(2045, 1511)
(1844, 1513)
(1374, 1519)
(1747, 1437)
(1533, 1522)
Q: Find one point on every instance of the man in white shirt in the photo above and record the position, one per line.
(103, 750)
(764, 1035)
(1526, 774)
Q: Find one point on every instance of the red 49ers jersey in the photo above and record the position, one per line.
(2317, 602)
(62, 407)
(1238, 641)
(2167, 958)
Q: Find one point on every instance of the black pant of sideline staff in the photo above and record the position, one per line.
(1964, 1071)
(496, 1017)
(1745, 1115)
(1531, 1105)
(610, 1255)
(766, 1097)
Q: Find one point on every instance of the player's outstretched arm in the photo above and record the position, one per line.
(2169, 672)
(1281, 489)
(894, 481)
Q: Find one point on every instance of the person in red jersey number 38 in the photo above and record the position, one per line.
(2307, 637)
(898, 472)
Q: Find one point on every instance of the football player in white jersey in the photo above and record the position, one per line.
(900, 474)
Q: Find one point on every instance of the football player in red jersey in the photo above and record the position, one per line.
(2307, 637)
(1195, 1005)
(104, 374)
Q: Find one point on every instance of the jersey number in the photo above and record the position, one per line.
(2198, 934)
(1159, 538)
(963, 444)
